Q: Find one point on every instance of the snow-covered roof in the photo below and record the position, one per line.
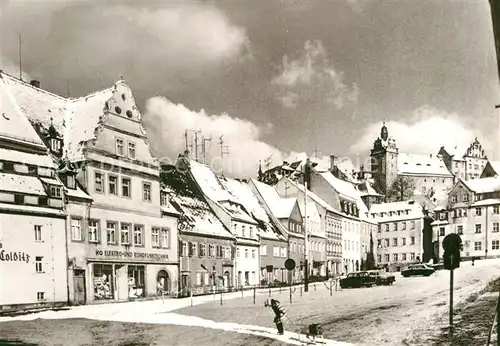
(31, 209)
(280, 207)
(344, 188)
(312, 195)
(393, 211)
(77, 193)
(420, 164)
(366, 189)
(13, 124)
(483, 185)
(26, 158)
(489, 201)
(21, 183)
(244, 195)
(209, 183)
(457, 152)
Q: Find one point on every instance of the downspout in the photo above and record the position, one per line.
(486, 235)
(67, 232)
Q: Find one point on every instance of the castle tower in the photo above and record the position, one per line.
(384, 159)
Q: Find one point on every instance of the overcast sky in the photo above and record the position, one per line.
(274, 77)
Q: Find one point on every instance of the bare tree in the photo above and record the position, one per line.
(401, 189)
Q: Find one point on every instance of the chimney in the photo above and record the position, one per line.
(35, 83)
(332, 162)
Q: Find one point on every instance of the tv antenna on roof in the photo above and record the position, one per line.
(224, 150)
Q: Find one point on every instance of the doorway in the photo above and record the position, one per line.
(163, 282)
(79, 287)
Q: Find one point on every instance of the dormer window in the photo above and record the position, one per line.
(8, 167)
(70, 181)
(55, 144)
(55, 191)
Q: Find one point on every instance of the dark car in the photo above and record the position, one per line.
(382, 278)
(417, 270)
(357, 280)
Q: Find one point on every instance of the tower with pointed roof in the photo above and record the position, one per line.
(384, 156)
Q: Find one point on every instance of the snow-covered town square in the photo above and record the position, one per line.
(282, 172)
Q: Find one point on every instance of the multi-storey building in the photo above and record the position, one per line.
(234, 216)
(400, 240)
(465, 164)
(206, 247)
(273, 241)
(428, 172)
(32, 218)
(473, 212)
(121, 245)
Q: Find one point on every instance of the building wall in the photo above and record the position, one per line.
(474, 166)
(268, 257)
(435, 183)
(408, 248)
(19, 250)
(351, 250)
(458, 168)
(193, 276)
(334, 243)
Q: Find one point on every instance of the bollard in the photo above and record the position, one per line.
(331, 287)
(221, 298)
(290, 294)
(191, 294)
(301, 291)
(269, 291)
(254, 295)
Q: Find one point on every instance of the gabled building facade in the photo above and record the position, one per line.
(467, 163)
(120, 245)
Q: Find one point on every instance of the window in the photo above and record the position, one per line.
(394, 241)
(283, 252)
(211, 250)
(131, 150)
(146, 192)
(125, 233)
(111, 232)
(40, 296)
(478, 211)
(98, 182)
(454, 198)
(412, 256)
(442, 215)
(395, 257)
(198, 279)
(250, 231)
(165, 238)
(403, 226)
(465, 198)
(55, 144)
(119, 147)
(138, 235)
(253, 253)
(155, 238)
(193, 249)
(39, 264)
(113, 185)
(379, 258)
(227, 252)
(386, 242)
(93, 231)
(413, 225)
(163, 198)
(243, 233)
(203, 250)
(263, 250)
(246, 253)
(395, 226)
(184, 246)
(379, 242)
(441, 231)
(70, 181)
(403, 257)
(76, 229)
(460, 230)
(478, 228)
(412, 240)
(496, 209)
(125, 187)
(238, 252)
(495, 227)
(38, 233)
(387, 227)
(55, 191)
(276, 251)
(477, 246)
(403, 241)
(495, 245)
(386, 257)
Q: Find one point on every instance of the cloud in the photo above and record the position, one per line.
(429, 129)
(311, 78)
(167, 122)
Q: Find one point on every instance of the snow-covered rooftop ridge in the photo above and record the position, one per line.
(394, 206)
(483, 185)
(209, 183)
(21, 183)
(280, 207)
(421, 164)
(344, 188)
(312, 195)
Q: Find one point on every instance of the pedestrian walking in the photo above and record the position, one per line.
(279, 312)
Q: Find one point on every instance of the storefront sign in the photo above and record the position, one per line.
(13, 256)
(132, 255)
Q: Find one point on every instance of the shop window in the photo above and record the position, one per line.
(76, 229)
(138, 235)
(103, 281)
(111, 232)
(136, 286)
(125, 234)
(155, 237)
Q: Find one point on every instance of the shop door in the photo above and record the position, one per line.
(79, 287)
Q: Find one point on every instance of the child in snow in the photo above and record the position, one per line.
(279, 312)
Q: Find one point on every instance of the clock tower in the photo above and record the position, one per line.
(384, 159)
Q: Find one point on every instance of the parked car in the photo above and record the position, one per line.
(418, 269)
(357, 280)
(438, 266)
(382, 278)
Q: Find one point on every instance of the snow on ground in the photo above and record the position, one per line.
(405, 313)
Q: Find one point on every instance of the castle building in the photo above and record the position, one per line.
(467, 164)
